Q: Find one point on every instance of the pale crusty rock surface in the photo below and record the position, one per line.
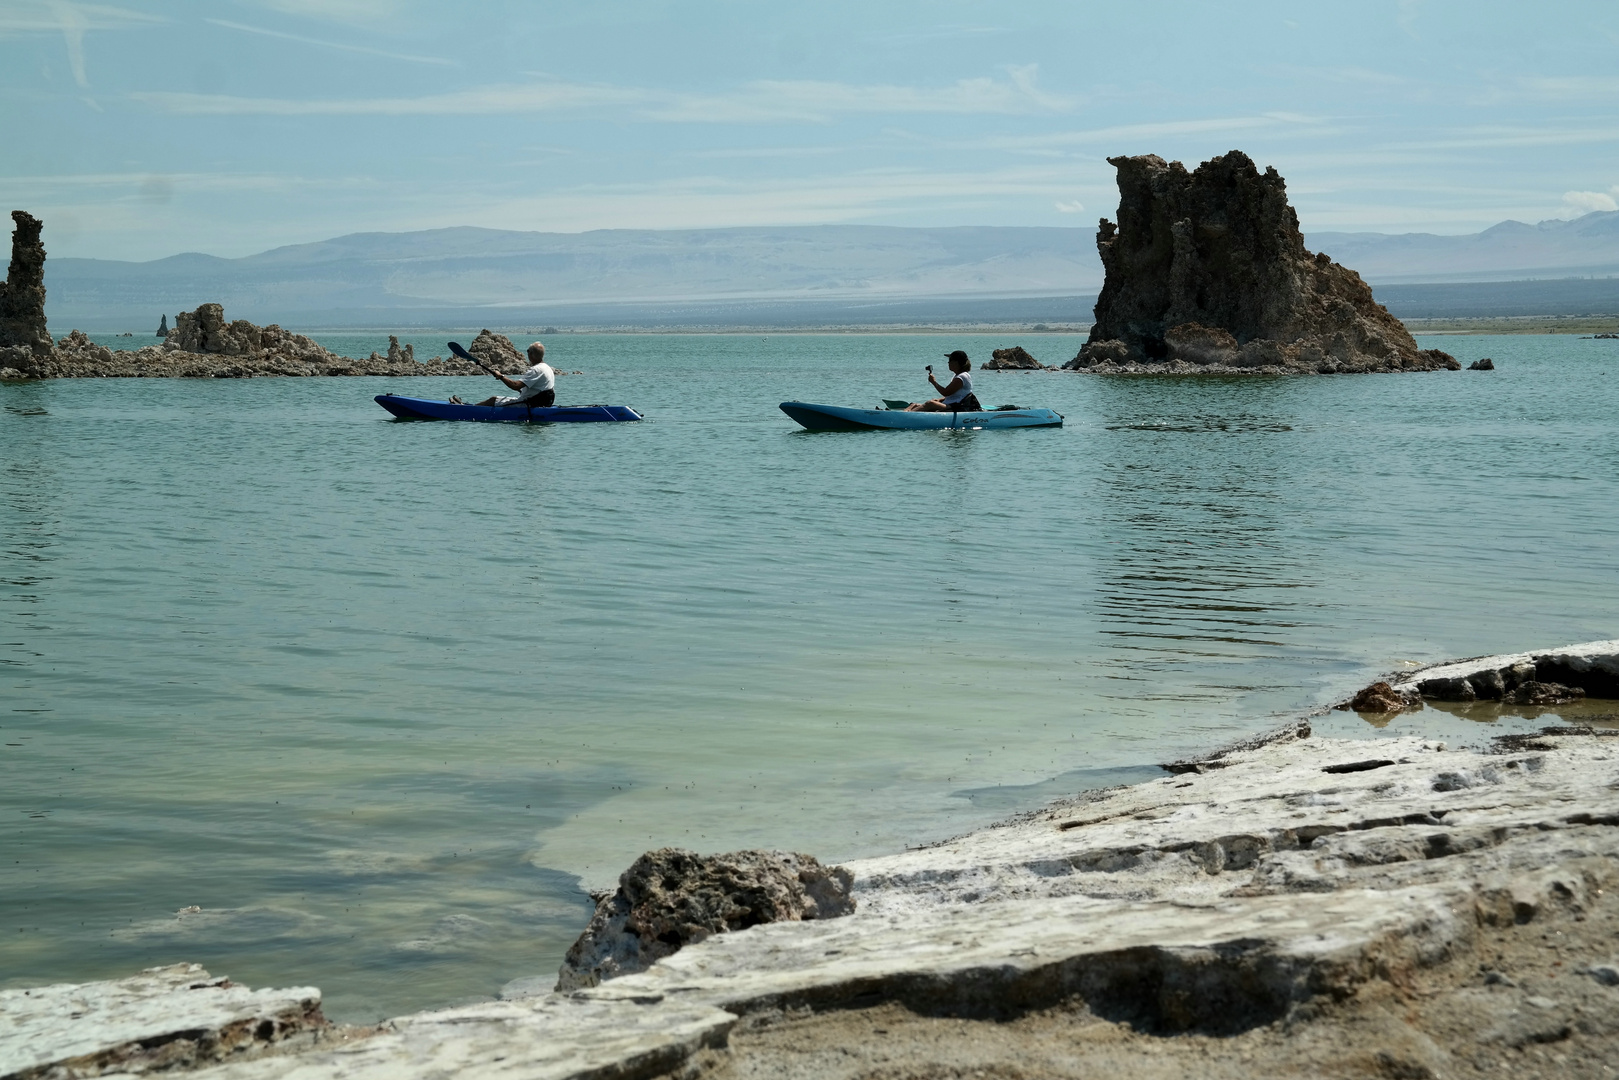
(1207, 273)
(163, 1018)
(1393, 908)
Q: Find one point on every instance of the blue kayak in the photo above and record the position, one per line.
(839, 418)
(409, 408)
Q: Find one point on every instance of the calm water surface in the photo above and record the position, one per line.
(379, 697)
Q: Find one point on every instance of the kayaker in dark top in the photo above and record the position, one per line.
(535, 387)
(957, 394)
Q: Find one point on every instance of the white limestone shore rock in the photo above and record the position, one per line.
(1260, 892)
(161, 1019)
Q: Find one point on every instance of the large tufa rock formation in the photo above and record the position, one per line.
(671, 897)
(1207, 271)
(22, 297)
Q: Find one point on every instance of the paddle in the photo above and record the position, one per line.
(455, 347)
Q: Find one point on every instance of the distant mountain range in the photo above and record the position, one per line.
(757, 276)
(1585, 247)
(496, 275)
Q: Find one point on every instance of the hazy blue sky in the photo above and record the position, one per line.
(139, 129)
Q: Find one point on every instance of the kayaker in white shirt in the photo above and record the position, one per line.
(957, 394)
(535, 387)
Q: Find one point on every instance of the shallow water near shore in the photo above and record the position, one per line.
(377, 697)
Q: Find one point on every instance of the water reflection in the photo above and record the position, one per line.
(1207, 569)
(29, 490)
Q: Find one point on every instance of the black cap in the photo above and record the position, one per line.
(957, 355)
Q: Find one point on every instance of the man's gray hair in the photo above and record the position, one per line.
(536, 347)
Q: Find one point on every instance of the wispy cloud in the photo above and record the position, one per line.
(1074, 207)
(1125, 134)
(72, 21)
(150, 187)
(942, 32)
(769, 100)
(755, 102)
(353, 12)
(43, 17)
(1602, 88)
(1585, 202)
(1488, 136)
(1406, 16)
(364, 49)
(486, 100)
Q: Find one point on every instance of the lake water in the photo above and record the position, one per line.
(378, 696)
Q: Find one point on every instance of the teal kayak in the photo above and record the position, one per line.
(839, 418)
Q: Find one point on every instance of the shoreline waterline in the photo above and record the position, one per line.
(1085, 920)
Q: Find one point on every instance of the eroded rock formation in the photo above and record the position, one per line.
(1016, 358)
(201, 344)
(672, 897)
(22, 296)
(497, 351)
(396, 355)
(1207, 271)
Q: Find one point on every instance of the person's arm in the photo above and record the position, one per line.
(515, 384)
(955, 384)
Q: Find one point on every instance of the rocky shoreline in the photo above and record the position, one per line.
(202, 345)
(1307, 906)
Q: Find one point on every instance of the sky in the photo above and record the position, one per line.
(138, 129)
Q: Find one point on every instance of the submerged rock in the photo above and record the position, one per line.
(671, 897)
(1014, 359)
(1380, 697)
(1533, 692)
(1485, 364)
(22, 296)
(1207, 271)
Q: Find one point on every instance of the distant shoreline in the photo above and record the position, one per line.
(1529, 324)
(1535, 324)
